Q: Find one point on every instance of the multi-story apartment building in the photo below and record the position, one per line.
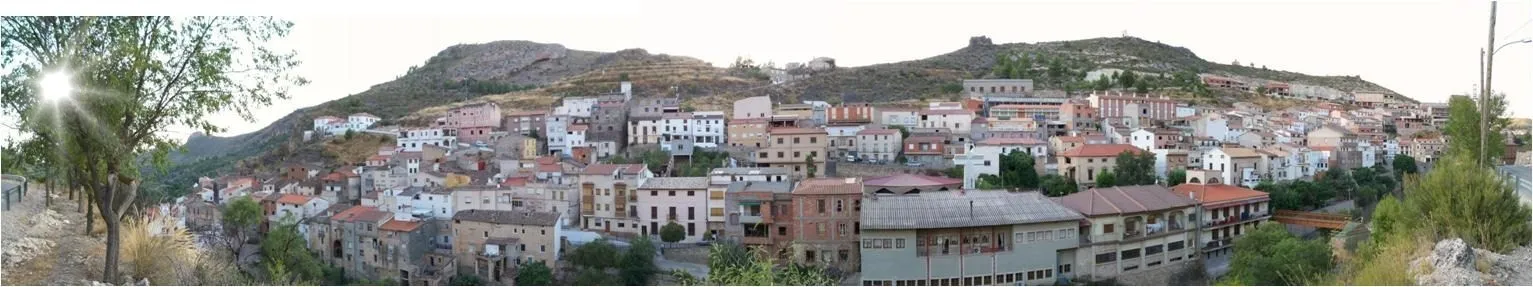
(759, 215)
(1083, 163)
(370, 243)
(752, 108)
(703, 129)
(1034, 112)
(967, 239)
(578, 107)
(1133, 230)
(748, 132)
(665, 200)
(473, 122)
(609, 128)
(998, 87)
(525, 122)
(413, 139)
(843, 140)
(1424, 149)
(796, 149)
(985, 157)
(957, 120)
(850, 114)
(1133, 105)
(1225, 211)
(1078, 114)
(928, 150)
(516, 194)
(878, 144)
(490, 244)
(604, 200)
(1237, 166)
(899, 117)
(1213, 81)
(719, 180)
(556, 128)
(826, 213)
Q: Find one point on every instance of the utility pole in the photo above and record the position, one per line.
(1490, 44)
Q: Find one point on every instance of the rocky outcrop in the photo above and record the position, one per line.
(1453, 262)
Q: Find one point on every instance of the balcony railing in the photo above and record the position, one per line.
(1243, 217)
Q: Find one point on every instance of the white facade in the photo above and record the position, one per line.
(574, 138)
(576, 107)
(312, 207)
(555, 127)
(884, 146)
(1369, 153)
(957, 121)
(1212, 125)
(1183, 111)
(688, 208)
(704, 129)
(336, 126)
(437, 205)
(899, 118)
(1391, 148)
(986, 159)
(412, 140)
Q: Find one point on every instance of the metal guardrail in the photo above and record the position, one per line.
(19, 190)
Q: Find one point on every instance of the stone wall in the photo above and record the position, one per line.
(1159, 277)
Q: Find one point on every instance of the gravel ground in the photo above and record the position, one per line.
(46, 246)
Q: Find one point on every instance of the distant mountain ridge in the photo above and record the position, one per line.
(524, 75)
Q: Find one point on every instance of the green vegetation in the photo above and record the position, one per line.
(1270, 255)
(809, 166)
(471, 280)
(637, 266)
(1017, 172)
(701, 163)
(672, 232)
(953, 172)
(124, 127)
(1176, 176)
(1106, 179)
(594, 262)
(733, 265)
(1464, 123)
(1134, 168)
(1058, 185)
(285, 255)
(487, 87)
(1403, 165)
(655, 160)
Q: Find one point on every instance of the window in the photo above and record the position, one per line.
(1064, 268)
(795, 140)
(654, 212)
(782, 231)
(899, 243)
(1176, 245)
(838, 205)
(987, 163)
(691, 228)
(1130, 254)
(1107, 228)
(1107, 257)
(822, 206)
(843, 254)
(691, 213)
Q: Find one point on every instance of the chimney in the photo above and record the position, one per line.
(971, 209)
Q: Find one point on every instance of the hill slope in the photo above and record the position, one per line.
(522, 75)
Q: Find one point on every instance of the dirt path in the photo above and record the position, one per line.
(47, 245)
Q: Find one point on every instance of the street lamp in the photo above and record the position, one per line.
(1498, 49)
(56, 85)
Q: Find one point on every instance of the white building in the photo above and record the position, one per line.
(358, 122)
(575, 136)
(297, 207)
(434, 202)
(556, 127)
(985, 156)
(1369, 153)
(879, 144)
(704, 129)
(412, 140)
(1211, 125)
(956, 120)
(576, 107)
(1391, 148)
(902, 118)
(1185, 111)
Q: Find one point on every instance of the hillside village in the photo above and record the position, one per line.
(486, 188)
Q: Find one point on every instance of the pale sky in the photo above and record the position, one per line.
(1423, 49)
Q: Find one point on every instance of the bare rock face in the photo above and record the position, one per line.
(980, 41)
(1453, 262)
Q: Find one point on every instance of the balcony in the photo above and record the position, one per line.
(633, 198)
(1218, 244)
(1242, 218)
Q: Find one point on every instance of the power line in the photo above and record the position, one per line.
(1519, 29)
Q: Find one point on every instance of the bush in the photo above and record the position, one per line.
(533, 273)
(672, 232)
(469, 280)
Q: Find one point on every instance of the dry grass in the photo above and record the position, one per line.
(1390, 265)
(160, 258)
(356, 149)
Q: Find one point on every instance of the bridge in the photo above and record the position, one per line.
(1312, 219)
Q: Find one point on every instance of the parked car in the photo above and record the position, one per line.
(851, 158)
(914, 164)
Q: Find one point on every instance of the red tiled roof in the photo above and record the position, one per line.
(1125, 200)
(1217, 193)
(1070, 139)
(294, 199)
(399, 225)
(850, 185)
(515, 181)
(1100, 150)
(360, 213)
(551, 167)
(912, 180)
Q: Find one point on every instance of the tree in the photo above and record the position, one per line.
(672, 232)
(1283, 197)
(810, 167)
(732, 265)
(141, 76)
(1271, 256)
(1460, 198)
(595, 277)
(1404, 164)
(954, 172)
(1016, 172)
(1463, 130)
(1106, 179)
(1176, 176)
(1127, 80)
(1057, 185)
(534, 134)
(239, 224)
(350, 133)
(471, 280)
(638, 263)
(1336, 181)
(1134, 168)
(1102, 83)
(531, 273)
(284, 246)
(1142, 87)
(596, 254)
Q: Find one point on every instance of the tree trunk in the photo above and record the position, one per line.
(113, 242)
(47, 192)
(90, 218)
